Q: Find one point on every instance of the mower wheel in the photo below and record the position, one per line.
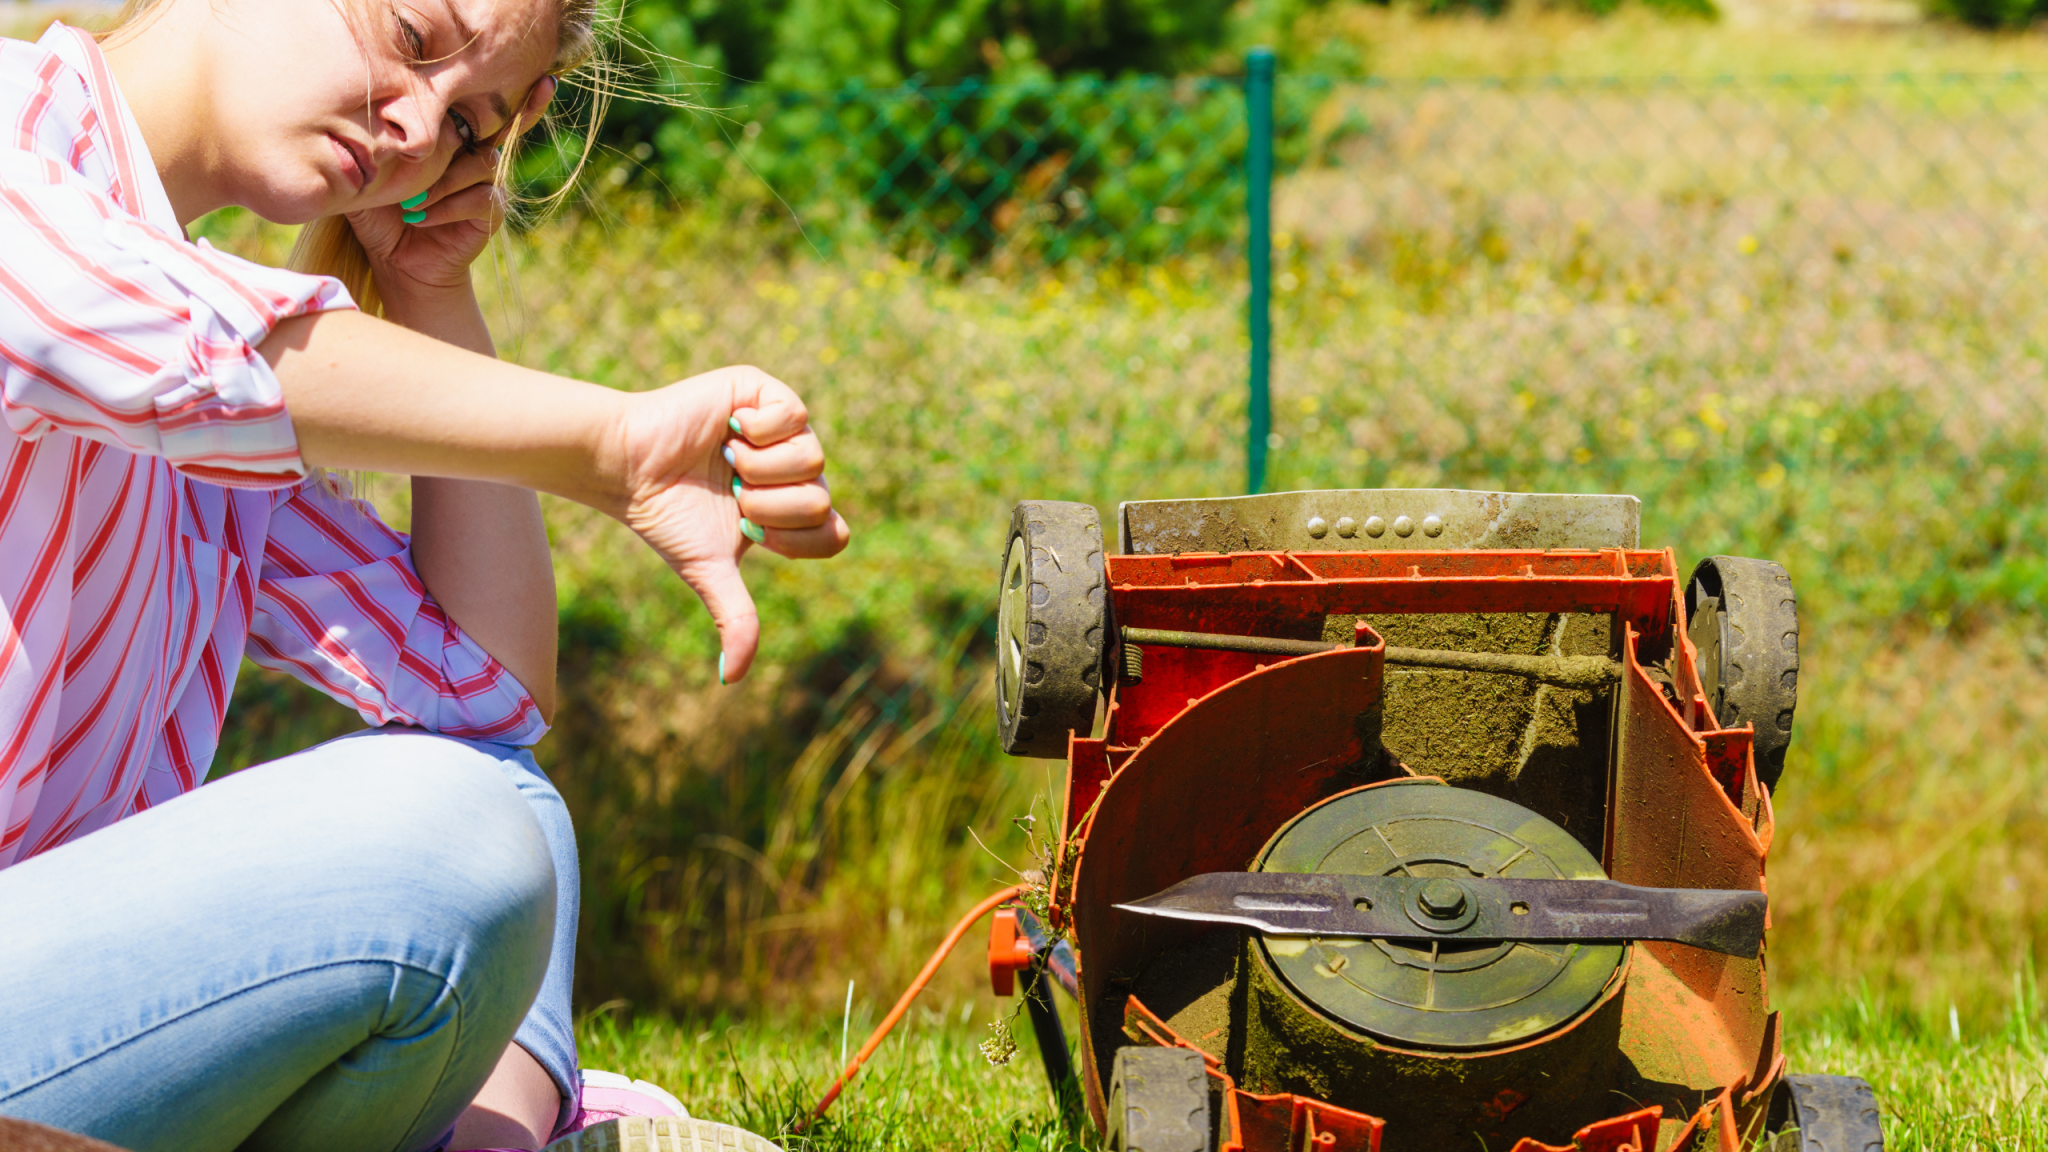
(1050, 625)
(1745, 624)
(1158, 1101)
(1831, 1113)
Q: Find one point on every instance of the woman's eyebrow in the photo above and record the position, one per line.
(466, 35)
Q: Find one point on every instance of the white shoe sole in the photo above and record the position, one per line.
(662, 1134)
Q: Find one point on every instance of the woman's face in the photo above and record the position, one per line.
(331, 106)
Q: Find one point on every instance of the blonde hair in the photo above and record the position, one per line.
(585, 30)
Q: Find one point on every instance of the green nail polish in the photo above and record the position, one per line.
(414, 217)
(735, 487)
(751, 530)
(721, 667)
(414, 202)
(733, 422)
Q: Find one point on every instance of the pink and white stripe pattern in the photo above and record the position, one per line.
(156, 523)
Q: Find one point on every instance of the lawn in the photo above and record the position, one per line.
(1865, 405)
(931, 1088)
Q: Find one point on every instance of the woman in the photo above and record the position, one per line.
(365, 945)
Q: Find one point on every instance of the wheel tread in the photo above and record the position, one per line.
(1759, 678)
(1833, 1113)
(1062, 636)
(1159, 1101)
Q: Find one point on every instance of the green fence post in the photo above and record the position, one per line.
(1258, 162)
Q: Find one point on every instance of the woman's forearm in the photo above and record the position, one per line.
(481, 547)
(366, 394)
(369, 395)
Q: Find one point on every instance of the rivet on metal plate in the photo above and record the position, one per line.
(1375, 527)
(1432, 525)
(1403, 526)
(1347, 527)
(1318, 527)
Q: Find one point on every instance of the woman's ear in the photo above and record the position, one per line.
(536, 104)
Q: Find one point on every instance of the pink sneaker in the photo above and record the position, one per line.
(615, 1114)
(610, 1096)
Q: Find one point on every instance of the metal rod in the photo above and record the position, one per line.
(1561, 671)
(1262, 644)
(1052, 1038)
(1258, 107)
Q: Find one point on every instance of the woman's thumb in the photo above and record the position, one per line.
(719, 585)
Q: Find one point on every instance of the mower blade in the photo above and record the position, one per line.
(1475, 909)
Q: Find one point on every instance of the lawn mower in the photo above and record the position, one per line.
(1417, 820)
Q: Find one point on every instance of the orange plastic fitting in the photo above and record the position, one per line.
(1008, 952)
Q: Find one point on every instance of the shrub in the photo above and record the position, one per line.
(1988, 13)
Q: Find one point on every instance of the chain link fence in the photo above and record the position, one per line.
(1804, 309)
(1137, 169)
(1148, 167)
(1800, 317)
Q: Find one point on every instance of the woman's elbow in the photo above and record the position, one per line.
(543, 696)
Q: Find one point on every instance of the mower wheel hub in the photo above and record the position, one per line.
(1450, 993)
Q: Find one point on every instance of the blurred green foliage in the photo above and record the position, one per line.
(1047, 169)
(1700, 8)
(957, 128)
(1989, 13)
(966, 128)
(820, 44)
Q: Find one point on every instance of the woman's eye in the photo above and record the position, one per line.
(464, 131)
(414, 42)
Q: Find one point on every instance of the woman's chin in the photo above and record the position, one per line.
(298, 205)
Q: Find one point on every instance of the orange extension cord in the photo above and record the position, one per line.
(931, 967)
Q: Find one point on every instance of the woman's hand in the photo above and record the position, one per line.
(369, 394)
(463, 209)
(701, 512)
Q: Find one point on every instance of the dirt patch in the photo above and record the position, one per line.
(1192, 989)
(1542, 747)
(1466, 727)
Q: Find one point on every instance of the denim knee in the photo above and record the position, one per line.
(356, 931)
(448, 836)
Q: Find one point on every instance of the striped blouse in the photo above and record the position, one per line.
(156, 522)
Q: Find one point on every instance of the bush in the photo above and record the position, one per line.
(968, 128)
(715, 52)
(1989, 13)
(827, 43)
(1044, 169)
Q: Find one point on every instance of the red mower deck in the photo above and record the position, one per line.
(1372, 684)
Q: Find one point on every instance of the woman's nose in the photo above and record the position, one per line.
(411, 122)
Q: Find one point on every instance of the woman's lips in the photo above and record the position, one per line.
(355, 162)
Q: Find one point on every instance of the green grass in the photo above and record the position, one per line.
(930, 1088)
(1803, 363)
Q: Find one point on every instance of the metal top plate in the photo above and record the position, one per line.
(1443, 994)
(1358, 519)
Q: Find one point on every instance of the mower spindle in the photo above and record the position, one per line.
(1559, 671)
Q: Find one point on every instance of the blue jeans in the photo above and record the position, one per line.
(329, 951)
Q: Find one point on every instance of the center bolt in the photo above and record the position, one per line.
(1442, 899)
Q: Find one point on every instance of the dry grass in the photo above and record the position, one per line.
(1756, 38)
(1911, 867)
